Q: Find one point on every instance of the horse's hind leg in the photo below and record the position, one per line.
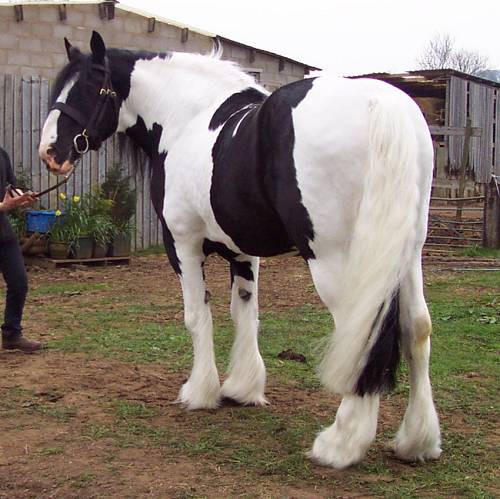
(418, 437)
(202, 390)
(346, 441)
(246, 374)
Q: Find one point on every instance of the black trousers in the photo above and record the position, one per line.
(14, 274)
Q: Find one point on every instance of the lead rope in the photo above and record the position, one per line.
(13, 191)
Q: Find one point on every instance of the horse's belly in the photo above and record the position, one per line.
(253, 230)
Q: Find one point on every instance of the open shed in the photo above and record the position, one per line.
(448, 99)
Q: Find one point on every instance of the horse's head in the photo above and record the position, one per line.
(84, 109)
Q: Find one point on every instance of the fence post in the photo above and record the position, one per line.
(491, 231)
(463, 168)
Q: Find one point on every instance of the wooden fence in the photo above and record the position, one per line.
(23, 108)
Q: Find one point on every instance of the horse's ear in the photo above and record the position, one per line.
(72, 52)
(97, 47)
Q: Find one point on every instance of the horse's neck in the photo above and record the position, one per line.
(172, 91)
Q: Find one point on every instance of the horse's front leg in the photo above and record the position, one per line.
(246, 374)
(202, 390)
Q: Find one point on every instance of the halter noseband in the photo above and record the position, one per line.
(81, 141)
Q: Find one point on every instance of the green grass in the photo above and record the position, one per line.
(68, 288)
(479, 251)
(152, 250)
(271, 442)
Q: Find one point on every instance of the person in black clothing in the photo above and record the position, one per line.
(12, 262)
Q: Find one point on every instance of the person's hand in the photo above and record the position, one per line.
(22, 200)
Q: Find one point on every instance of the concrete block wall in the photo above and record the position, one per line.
(34, 46)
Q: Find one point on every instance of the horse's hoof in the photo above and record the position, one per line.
(232, 402)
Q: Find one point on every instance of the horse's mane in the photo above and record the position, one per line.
(221, 72)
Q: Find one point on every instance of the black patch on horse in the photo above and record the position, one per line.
(234, 103)
(254, 192)
(237, 268)
(379, 373)
(149, 141)
(122, 64)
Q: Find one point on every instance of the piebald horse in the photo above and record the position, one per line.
(337, 170)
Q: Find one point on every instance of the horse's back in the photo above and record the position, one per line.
(291, 167)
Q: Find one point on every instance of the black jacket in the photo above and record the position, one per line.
(6, 177)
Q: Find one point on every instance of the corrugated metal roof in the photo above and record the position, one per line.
(427, 77)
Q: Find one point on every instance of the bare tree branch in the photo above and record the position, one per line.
(469, 62)
(440, 53)
(437, 54)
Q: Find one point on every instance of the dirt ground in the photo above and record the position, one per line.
(55, 457)
(58, 378)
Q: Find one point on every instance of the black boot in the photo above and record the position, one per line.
(20, 343)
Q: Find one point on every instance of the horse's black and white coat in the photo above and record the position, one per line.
(338, 171)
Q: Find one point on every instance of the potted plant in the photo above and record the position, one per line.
(116, 187)
(77, 216)
(122, 238)
(73, 226)
(102, 228)
(61, 238)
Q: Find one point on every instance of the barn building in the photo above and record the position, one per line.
(32, 52)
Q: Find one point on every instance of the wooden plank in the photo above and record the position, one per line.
(101, 162)
(454, 130)
(47, 180)
(35, 132)
(139, 210)
(457, 115)
(147, 211)
(2, 110)
(94, 170)
(496, 163)
(472, 198)
(481, 102)
(22, 138)
(445, 208)
(9, 115)
(17, 153)
(85, 162)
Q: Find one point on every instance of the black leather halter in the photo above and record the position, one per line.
(81, 141)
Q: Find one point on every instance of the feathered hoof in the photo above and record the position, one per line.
(418, 440)
(231, 402)
(331, 449)
(244, 395)
(416, 451)
(195, 398)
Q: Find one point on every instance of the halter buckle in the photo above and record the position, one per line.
(85, 137)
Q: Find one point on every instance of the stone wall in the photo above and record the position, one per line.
(34, 45)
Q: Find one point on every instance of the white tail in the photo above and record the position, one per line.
(382, 243)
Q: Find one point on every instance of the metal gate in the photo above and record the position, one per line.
(455, 224)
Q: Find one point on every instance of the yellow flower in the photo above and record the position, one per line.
(62, 196)
(58, 212)
(76, 199)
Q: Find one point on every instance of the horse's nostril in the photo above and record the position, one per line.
(51, 151)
